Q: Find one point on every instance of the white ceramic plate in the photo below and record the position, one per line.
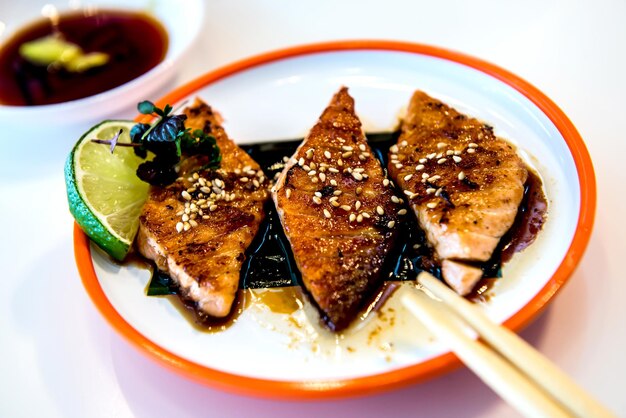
(182, 20)
(280, 95)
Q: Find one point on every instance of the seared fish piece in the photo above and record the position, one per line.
(197, 229)
(336, 208)
(464, 184)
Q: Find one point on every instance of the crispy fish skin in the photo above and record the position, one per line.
(206, 259)
(466, 184)
(337, 213)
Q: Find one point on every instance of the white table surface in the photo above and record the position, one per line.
(58, 356)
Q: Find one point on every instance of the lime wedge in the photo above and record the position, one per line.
(104, 193)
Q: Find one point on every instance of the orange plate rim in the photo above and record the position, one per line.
(359, 386)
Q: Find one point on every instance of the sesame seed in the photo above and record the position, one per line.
(306, 168)
(212, 208)
(179, 227)
(457, 152)
(425, 175)
(434, 178)
(394, 149)
(416, 246)
(301, 161)
(391, 224)
(352, 217)
(438, 192)
(251, 172)
(430, 190)
(395, 199)
(408, 177)
(457, 159)
(309, 153)
(327, 154)
(318, 194)
(358, 190)
(314, 180)
(431, 205)
(380, 210)
(385, 182)
(431, 156)
(334, 203)
(186, 226)
(347, 208)
(471, 150)
(357, 176)
(347, 154)
(402, 212)
(244, 179)
(285, 158)
(317, 200)
(326, 213)
(205, 189)
(419, 167)
(196, 176)
(365, 215)
(422, 160)
(362, 157)
(256, 183)
(333, 182)
(441, 145)
(216, 190)
(205, 216)
(442, 160)
(404, 144)
(322, 176)
(186, 195)
(193, 223)
(461, 175)
(312, 173)
(409, 193)
(359, 170)
(288, 193)
(190, 179)
(346, 148)
(337, 192)
(237, 171)
(480, 135)
(359, 218)
(362, 147)
(399, 165)
(472, 145)
(333, 199)
(357, 205)
(449, 152)
(340, 162)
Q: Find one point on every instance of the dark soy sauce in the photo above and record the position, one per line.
(134, 42)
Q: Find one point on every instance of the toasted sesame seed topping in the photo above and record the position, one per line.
(438, 192)
(333, 170)
(359, 218)
(322, 176)
(357, 176)
(472, 145)
(457, 159)
(326, 213)
(402, 212)
(365, 215)
(441, 145)
(442, 160)
(404, 144)
(457, 152)
(212, 208)
(408, 177)
(357, 205)
(431, 205)
(431, 156)
(395, 199)
(352, 217)
(288, 193)
(317, 200)
(385, 182)
(179, 227)
(434, 178)
(362, 157)
(409, 193)
(339, 162)
(244, 179)
(471, 150)
(337, 192)
(185, 194)
(347, 154)
(256, 183)
(416, 246)
(327, 154)
(186, 226)
(313, 166)
(461, 175)
(301, 161)
(391, 224)
(394, 149)
(380, 210)
(419, 167)
(358, 190)
(346, 148)
(430, 190)
(193, 223)
(347, 208)
(314, 180)
(309, 153)
(425, 175)
(399, 165)
(333, 182)
(306, 168)
(312, 173)
(422, 160)
(362, 147)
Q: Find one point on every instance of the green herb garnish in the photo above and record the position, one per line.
(161, 284)
(168, 139)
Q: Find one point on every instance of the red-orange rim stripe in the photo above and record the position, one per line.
(393, 379)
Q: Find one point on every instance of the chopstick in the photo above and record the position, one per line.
(510, 366)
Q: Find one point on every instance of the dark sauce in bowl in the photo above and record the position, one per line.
(135, 43)
(270, 264)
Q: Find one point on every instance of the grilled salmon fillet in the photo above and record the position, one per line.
(336, 208)
(464, 184)
(197, 229)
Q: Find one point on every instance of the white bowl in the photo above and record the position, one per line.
(182, 20)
